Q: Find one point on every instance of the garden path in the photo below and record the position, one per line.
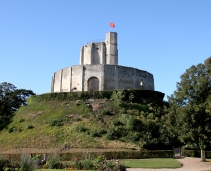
(189, 164)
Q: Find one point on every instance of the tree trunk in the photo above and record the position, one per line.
(203, 156)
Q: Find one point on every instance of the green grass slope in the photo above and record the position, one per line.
(101, 123)
(52, 124)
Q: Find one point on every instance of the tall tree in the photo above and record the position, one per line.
(190, 103)
(11, 99)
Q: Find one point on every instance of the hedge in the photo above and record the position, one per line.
(67, 156)
(139, 94)
(195, 153)
(120, 155)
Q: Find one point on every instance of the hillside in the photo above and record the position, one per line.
(112, 123)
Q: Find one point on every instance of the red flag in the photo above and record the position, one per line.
(112, 25)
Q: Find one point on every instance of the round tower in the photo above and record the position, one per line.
(111, 48)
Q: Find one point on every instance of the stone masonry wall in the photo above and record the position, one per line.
(109, 77)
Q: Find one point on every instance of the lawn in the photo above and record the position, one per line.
(155, 163)
(54, 170)
(152, 163)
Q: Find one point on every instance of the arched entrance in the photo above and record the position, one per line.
(93, 84)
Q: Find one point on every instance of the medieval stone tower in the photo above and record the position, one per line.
(99, 70)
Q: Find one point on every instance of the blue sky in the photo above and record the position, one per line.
(163, 37)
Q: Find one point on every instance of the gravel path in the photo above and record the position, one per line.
(189, 164)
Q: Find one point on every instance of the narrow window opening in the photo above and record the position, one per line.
(141, 83)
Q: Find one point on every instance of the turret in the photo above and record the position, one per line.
(111, 48)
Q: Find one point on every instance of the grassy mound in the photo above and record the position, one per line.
(63, 122)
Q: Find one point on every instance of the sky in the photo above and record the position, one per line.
(163, 37)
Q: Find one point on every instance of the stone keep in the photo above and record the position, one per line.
(99, 70)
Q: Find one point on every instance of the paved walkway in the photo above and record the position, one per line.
(189, 164)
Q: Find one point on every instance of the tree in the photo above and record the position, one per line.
(11, 99)
(191, 104)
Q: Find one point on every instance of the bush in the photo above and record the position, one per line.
(28, 163)
(55, 122)
(3, 163)
(29, 127)
(87, 164)
(96, 133)
(54, 162)
(10, 130)
(101, 163)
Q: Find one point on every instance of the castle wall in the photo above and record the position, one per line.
(150, 82)
(87, 55)
(93, 53)
(125, 77)
(66, 79)
(96, 53)
(57, 81)
(101, 77)
(110, 77)
(77, 78)
(93, 71)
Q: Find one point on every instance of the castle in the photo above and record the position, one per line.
(99, 70)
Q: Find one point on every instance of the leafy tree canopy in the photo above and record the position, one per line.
(11, 99)
(191, 106)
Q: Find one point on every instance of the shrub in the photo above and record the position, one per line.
(101, 163)
(54, 162)
(96, 133)
(29, 127)
(55, 122)
(27, 163)
(3, 163)
(81, 128)
(87, 164)
(21, 120)
(10, 130)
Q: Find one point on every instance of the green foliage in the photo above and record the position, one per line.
(96, 133)
(101, 163)
(11, 99)
(131, 97)
(69, 96)
(135, 95)
(29, 127)
(119, 96)
(27, 163)
(53, 161)
(89, 123)
(3, 163)
(55, 122)
(156, 163)
(87, 164)
(102, 94)
(190, 114)
(22, 120)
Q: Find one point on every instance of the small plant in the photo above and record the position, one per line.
(27, 163)
(10, 130)
(78, 164)
(54, 162)
(21, 120)
(87, 164)
(55, 122)
(3, 163)
(102, 164)
(29, 127)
